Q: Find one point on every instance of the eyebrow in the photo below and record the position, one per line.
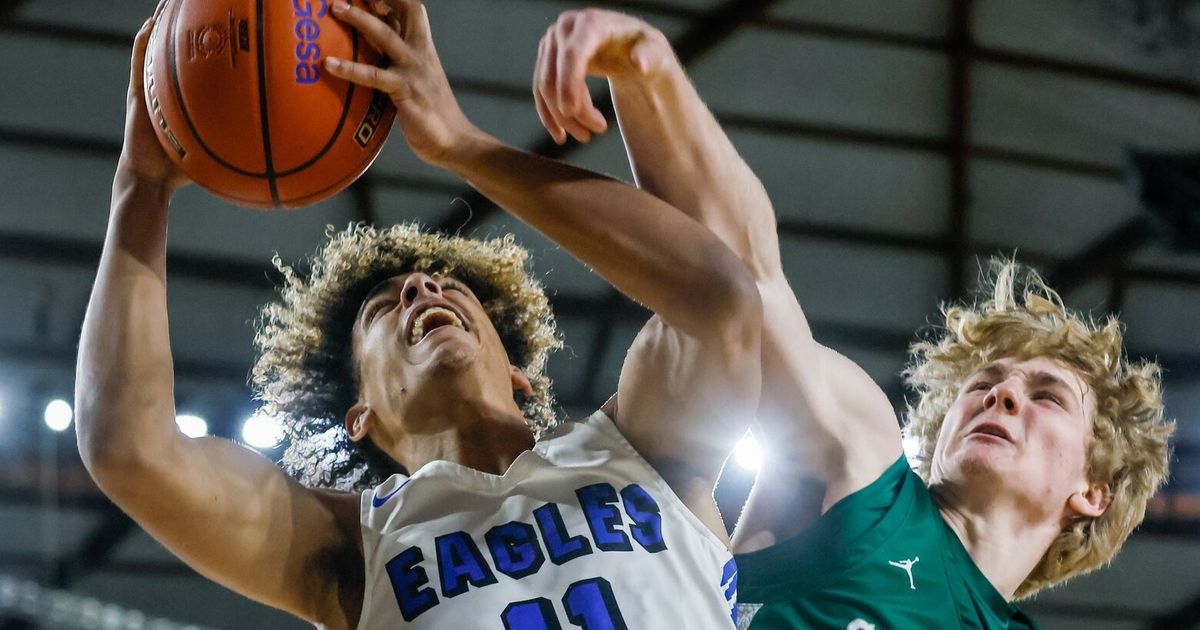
(1036, 378)
(993, 370)
(1042, 378)
(382, 286)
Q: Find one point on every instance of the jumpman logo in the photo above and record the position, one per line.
(907, 565)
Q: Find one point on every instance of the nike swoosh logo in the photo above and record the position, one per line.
(377, 502)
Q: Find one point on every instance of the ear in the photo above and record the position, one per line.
(520, 383)
(1090, 502)
(358, 420)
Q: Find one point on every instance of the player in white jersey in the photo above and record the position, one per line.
(464, 547)
(416, 360)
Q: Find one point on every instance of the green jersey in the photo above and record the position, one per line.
(880, 559)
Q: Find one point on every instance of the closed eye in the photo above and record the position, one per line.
(1049, 396)
(449, 284)
(979, 385)
(375, 309)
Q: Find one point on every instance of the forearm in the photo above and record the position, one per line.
(124, 381)
(644, 247)
(680, 154)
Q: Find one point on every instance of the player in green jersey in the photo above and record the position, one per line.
(1039, 443)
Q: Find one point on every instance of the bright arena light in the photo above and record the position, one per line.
(192, 426)
(262, 431)
(58, 415)
(748, 454)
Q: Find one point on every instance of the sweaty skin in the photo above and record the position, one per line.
(300, 549)
(820, 414)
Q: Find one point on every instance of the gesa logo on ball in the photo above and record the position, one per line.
(308, 53)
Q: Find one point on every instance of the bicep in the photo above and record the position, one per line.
(234, 517)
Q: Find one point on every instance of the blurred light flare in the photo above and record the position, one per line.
(262, 431)
(912, 447)
(748, 454)
(58, 415)
(192, 426)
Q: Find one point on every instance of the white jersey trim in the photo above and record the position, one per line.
(598, 421)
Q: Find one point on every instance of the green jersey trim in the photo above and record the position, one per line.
(774, 568)
(817, 577)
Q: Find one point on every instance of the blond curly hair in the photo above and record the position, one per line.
(306, 375)
(1129, 447)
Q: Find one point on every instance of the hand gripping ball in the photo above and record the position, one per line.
(240, 99)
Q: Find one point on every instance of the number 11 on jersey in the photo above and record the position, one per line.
(590, 605)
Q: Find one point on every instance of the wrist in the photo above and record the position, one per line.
(654, 60)
(659, 88)
(139, 202)
(129, 180)
(464, 150)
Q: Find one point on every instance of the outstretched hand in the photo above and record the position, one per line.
(142, 155)
(591, 42)
(428, 113)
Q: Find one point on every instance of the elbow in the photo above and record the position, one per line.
(735, 304)
(101, 456)
(108, 455)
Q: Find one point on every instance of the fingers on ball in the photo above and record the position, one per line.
(364, 74)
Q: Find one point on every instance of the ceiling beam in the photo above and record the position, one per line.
(1106, 256)
(732, 122)
(1013, 59)
(77, 252)
(12, 353)
(96, 550)
(34, 562)
(1186, 615)
(985, 54)
(10, 9)
(959, 126)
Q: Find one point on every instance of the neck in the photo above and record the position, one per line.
(467, 428)
(1004, 541)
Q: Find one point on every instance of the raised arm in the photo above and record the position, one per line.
(820, 413)
(224, 509)
(644, 247)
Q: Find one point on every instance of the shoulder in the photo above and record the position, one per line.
(854, 524)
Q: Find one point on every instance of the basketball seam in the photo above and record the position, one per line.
(359, 169)
(183, 110)
(262, 105)
(346, 105)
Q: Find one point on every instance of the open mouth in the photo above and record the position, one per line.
(431, 319)
(992, 429)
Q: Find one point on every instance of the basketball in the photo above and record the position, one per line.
(240, 99)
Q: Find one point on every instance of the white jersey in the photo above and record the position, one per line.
(579, 532)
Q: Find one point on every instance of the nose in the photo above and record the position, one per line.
(1003, 396)
(418, 285)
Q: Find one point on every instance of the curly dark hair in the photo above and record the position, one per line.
(306, 373)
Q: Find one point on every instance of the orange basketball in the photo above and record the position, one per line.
(239, 95)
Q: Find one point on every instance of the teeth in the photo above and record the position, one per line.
(418, 330)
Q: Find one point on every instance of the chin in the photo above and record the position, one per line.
(982, 463)
(452, 357)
